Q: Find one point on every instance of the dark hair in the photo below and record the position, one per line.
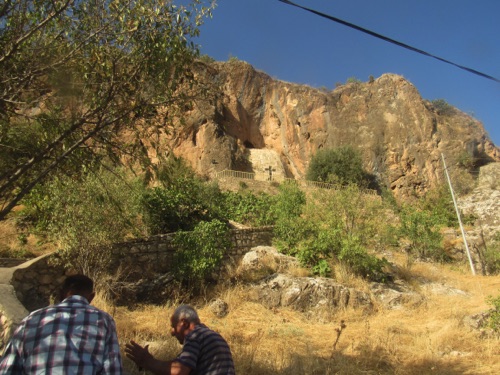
(77, 284)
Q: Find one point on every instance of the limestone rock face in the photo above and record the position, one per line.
(484, 202)
(305, 293)
(400, 135)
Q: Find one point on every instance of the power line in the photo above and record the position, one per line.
(387, 39)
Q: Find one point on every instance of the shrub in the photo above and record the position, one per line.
(249, 208)
(466, 160)
(289, 228)
(207, 59)
(463, 181)
(357, 259)
(342, 165)
(84, 215)
(491, 256)
(199, 252)
(334, 224)
(322, 268)
(442, 107)
(353, 80)
(181, 201)
(494, 318)
(439, 204)
(290, 201)
(421, 229)
(288, 235)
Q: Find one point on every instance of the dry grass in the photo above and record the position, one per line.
(428, 338)
(14, 244)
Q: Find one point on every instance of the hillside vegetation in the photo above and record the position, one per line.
(429, 337)
(360, 239)
(111, 124)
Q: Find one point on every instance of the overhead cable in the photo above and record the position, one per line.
(376, 35)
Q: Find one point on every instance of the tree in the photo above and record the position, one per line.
(421, 228)
(84, 216)
(181, 199)
(342, 165)
(289, 227)
(78, 75)
(199, 253)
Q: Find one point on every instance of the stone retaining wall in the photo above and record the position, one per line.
(35, 283)
(11, 262)
(11, 314)
(156, 253)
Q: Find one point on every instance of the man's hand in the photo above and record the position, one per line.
(145, 360)
(140, 355)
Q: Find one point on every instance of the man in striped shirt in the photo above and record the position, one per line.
(204, 352)
(69, 338)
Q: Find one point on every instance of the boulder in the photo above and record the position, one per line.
(305, 293)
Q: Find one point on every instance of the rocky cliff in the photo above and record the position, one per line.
(400, 135)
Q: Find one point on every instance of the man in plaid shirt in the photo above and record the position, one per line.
(71, 337)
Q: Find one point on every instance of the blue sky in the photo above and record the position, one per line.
(293, 45)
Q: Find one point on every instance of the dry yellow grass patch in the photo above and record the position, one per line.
(14, 243)
(427, 338)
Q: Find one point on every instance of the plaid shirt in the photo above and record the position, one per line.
(72, 337)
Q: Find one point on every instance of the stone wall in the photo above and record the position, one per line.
(11, 262)
(156, 253)
(36, 282)
(11, 314)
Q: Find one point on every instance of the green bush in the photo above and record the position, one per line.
(491, 256)
(289, 228)
(355, 256)
(439, 204)
(249, 208)
(332, 225)
(466, 160)
(82, 216)
(353, 80)
(421, 230)
(342, 165)
(199, 252)
(322, 268)
(494, 318)
(181, 201)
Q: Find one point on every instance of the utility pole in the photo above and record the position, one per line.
(458, 216)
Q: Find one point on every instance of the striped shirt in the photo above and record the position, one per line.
(206, 353)
(69, 338)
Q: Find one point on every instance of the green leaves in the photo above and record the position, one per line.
(199, 252)
(421, 228)
(97, 67)
(331, 226)
(181, 201)
(494, 318)
(249, 208)
(83, 216)
(342, 165)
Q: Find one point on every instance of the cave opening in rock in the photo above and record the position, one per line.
(248, 144)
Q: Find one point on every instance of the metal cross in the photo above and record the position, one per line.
(271, 170)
